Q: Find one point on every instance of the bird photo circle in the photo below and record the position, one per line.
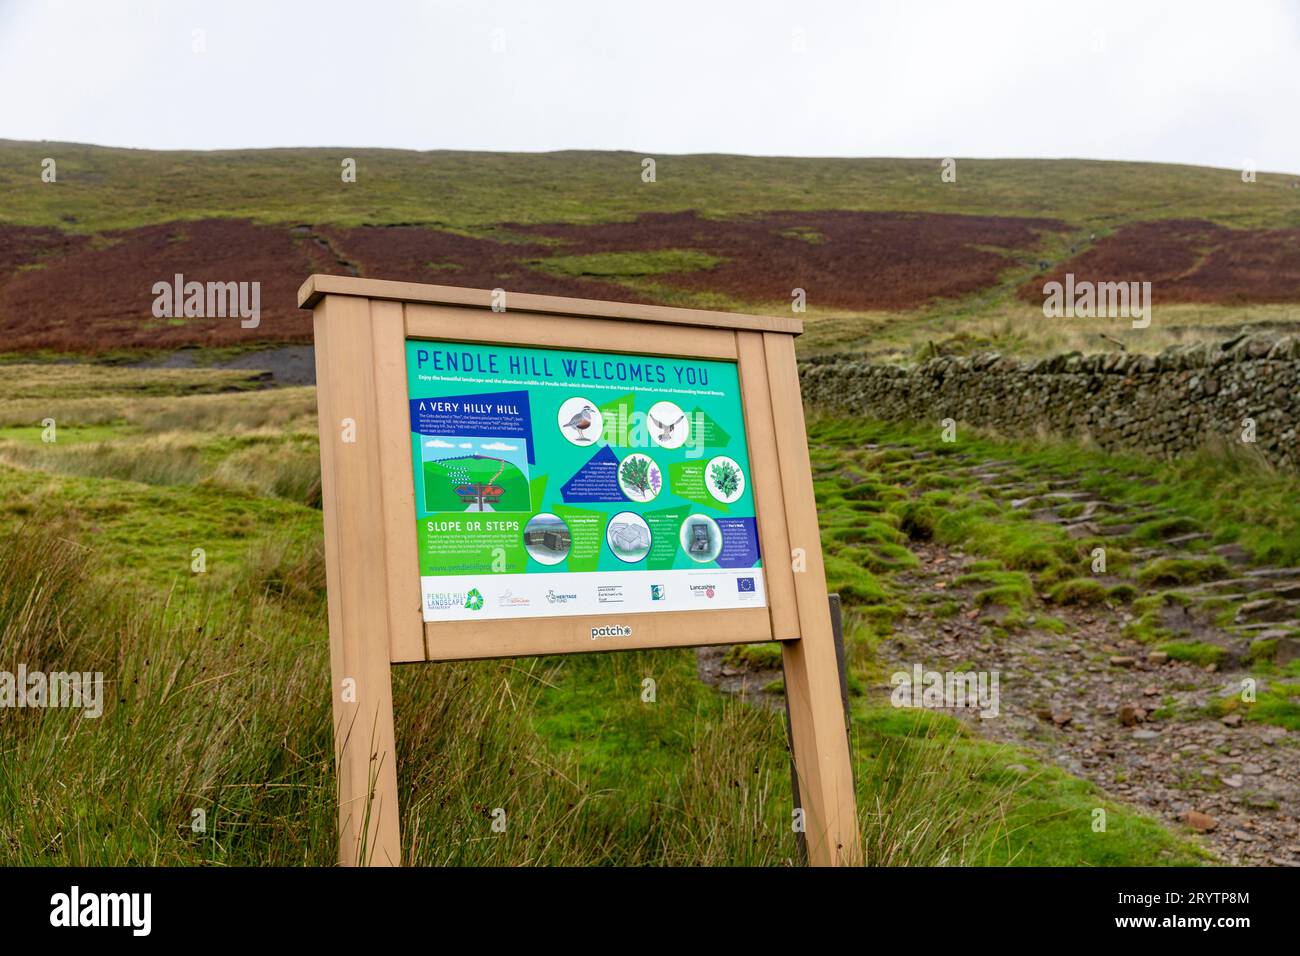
(579, 421)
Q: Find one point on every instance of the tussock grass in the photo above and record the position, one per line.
(163, 427)
(1081, 591)
(910, 814)
(50, 380)
(163, 400)
(218, 683)
(1171, 572)
(222, 706)
(277, 469)
(154, 461)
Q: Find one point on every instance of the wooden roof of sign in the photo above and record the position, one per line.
(318, 285)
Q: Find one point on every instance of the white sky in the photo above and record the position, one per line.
(1211, 83)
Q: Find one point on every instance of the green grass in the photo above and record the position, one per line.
(216, 681)
(1194, 652)
(762, 656)
(1239, 497)
(1009, 589)
(103, 188)
(1278, 704)
(28, 381)
(1047, 815)
(629, 265)
(215, 704)
(1083, 591)
(1172, 572)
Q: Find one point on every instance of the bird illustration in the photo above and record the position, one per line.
(666, 431)
(581, 422)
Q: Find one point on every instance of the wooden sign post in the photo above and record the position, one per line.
(514, 475)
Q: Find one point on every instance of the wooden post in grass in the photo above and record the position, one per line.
(348, 366)
(391, 601)
(837, 631)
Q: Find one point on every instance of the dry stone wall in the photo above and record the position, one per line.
(1165, 405)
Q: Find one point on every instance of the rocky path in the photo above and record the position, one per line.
(1079, 688)
(1090, 701)
(1110, 709)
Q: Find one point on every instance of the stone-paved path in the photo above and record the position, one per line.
(1108, 708)
(1083, 700)
(1102, 705)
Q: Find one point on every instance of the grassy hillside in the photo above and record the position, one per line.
(891, 259)
(102, 188)
(217, 672)
(217, 685)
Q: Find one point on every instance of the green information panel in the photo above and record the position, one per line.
(557, 483)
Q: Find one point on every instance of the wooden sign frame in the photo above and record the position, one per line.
(372, 565)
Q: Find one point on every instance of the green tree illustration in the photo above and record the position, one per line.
(635, 473)
(726, 478)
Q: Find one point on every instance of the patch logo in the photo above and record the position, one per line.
(474, 600)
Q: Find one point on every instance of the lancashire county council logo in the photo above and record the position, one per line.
(656, 592)
(474, 600)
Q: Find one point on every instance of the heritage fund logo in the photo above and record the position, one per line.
(1098, 300)
(212, 300)
(611, 630)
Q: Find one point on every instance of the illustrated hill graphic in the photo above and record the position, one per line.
(455, 484)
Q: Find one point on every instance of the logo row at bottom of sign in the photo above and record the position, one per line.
(476, 597)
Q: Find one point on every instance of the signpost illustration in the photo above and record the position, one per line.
(565, 476)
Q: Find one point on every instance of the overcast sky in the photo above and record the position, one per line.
(1211, 83)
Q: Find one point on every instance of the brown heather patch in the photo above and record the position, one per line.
(91, 294)
(1190, 261)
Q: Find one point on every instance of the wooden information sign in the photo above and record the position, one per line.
(506, 475)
